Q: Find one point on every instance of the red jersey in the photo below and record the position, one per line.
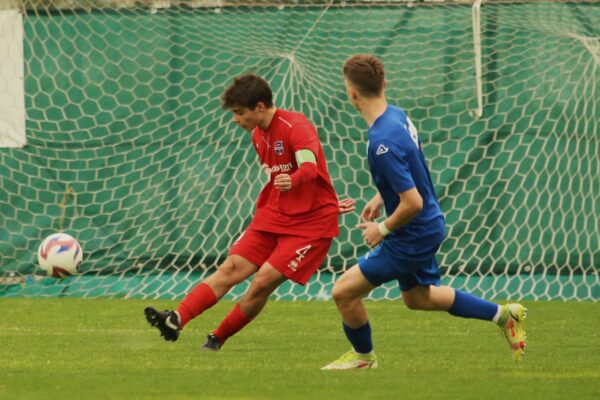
(309, 209)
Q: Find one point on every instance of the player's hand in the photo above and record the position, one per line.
(371, 233)
(347, 205)
(372, 209)
(283, 182)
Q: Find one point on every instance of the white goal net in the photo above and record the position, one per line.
(129, 151)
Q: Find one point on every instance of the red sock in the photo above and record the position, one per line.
(232, 323)
(199, 299)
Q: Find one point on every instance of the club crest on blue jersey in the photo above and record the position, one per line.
(279, 147)
(381, 150)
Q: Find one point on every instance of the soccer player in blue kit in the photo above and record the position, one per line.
(405, 243)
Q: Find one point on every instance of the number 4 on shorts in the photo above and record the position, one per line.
(302, 252)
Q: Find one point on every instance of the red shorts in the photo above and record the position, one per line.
(297, 258)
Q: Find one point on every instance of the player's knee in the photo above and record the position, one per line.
(228, 267)
(260, 288)
(234, 269)
(410, 303)
(340, 294)
(337, 293)
(413, 302)
(418, 298)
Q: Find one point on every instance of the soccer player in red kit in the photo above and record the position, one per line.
(296, 216)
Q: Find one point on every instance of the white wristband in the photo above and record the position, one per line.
(383, 229)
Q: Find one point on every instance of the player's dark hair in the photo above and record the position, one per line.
(366, 74)
(247, 91)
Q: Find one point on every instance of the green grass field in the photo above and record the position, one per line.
(104, 349)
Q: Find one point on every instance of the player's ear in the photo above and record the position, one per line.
(260, 106)
(352, 93)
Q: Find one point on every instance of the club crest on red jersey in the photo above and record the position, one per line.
(279, 147)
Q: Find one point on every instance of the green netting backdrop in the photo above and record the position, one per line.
(123, 108)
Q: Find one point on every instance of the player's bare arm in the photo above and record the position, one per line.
(411, 203)
(372, 209)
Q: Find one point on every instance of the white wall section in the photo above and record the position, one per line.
(12, 91)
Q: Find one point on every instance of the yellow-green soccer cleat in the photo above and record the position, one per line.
(511, 322)
(353, 360)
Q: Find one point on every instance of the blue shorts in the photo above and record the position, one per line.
(387, 262)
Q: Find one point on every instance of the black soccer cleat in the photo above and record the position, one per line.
(212, 343)
(167, 322)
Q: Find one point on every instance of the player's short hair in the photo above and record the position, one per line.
(366, 74)
(247, 91)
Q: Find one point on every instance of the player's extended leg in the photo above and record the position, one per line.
(263, 284)
(510, 317)
(348, 293)
(233, 270)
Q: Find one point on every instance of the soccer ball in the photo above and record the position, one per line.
(60, 255)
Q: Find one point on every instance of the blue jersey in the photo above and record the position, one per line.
(397, 164)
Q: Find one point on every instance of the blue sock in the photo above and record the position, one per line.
(360, 338)
(468, 306)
